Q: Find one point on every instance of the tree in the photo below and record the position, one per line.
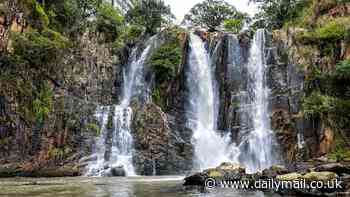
(70, 16)
(212, 13)
(275, 13)
(151, 14)
(233, 25)
(109, 21)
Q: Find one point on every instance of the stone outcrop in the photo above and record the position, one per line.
(158, 149)
(226, 171)
(162, 138)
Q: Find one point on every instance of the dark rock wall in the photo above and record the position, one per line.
(162, 138)
(285, 81)
(159, 150)
(229, 55)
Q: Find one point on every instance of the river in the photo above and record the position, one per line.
(110, 187)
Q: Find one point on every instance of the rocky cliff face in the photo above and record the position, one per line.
(163, 140)
(299, 138)
(291, 80)
(286, 82)
(159, 149)
(86, 78)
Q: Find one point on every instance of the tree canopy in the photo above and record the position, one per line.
(275, 13)
(151, 14)
(212, 13)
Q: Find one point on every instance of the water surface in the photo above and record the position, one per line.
(110, 187)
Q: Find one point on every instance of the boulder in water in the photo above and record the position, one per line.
(117, 171)
(113, 170)
(274, 171)
(226, 166)
(226, 171)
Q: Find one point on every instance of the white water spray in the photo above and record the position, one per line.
(211, 149)
(121, 140)
(257, 151)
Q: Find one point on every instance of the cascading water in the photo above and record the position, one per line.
(257, 147)
(115, 145)
(211, 149)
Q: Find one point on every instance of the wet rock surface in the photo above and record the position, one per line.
(16, 170)
(159, 150)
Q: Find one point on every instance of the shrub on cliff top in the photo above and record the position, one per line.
(132, 33)
(109, 22)
(165, 61)
(151, 14)
(212, 13)
(233, 25)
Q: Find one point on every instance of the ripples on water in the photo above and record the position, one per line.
(109, 187)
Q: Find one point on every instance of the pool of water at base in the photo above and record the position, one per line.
(165, 186)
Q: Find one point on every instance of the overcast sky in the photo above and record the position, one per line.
(182, 7)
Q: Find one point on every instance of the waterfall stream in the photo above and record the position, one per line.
(114, 147)
(257, 147)
(255, 150)
(211, 149)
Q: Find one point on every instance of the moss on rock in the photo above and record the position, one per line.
(320, 176)
(289, 177)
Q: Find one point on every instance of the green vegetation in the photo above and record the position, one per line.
(37, 16)
(165, 62)
(132, 33)
(212, 13)
(110, 122)
(39, 49)
(109, 21)
(43, 103)
(233, 25)
(58, 154)
(94, 128)
(151, 14)
(341, 151)
(331, 32)
(167, 58)
(327, 33)
(276, 13)
(71, 17)
(157, 98)
(317, 105)
(343, 68)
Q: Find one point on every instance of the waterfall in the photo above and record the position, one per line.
(257, 146)
(114, 147)
(211, 149)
